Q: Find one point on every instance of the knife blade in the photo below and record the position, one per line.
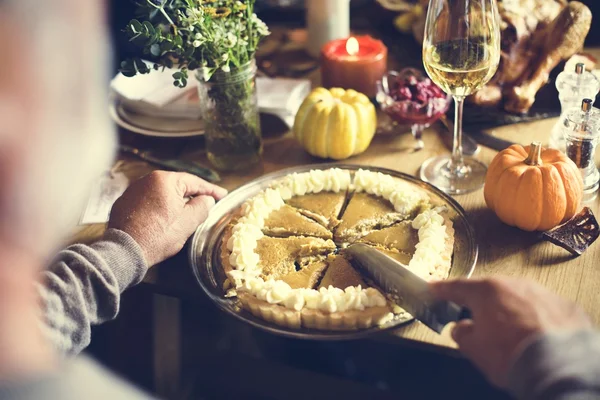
(472, 137)
(408, 290)
(174, 165)
(491, 141)
(470, 147)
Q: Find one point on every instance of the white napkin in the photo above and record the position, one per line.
(154, 95)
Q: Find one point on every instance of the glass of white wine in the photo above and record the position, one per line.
(461, 52)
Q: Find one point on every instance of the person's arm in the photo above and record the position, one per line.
(82, 287)
(149, 223)
(526, 339)
(558, 367)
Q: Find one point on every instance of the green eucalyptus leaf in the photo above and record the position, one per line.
(149, 28)
(189, 52)
(133, 66)
(135, 25)
(154, 38)
(128, 68)
(166, 46)
(155, 50)
(141, 66)
(178, 40)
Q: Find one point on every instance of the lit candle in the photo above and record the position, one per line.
(355, 63)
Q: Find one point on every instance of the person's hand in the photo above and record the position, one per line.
(162, 210)
(506, 313)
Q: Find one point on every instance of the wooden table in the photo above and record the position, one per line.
(503, 250)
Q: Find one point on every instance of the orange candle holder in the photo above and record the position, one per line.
(354, 63)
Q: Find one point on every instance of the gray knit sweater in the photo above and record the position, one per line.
(83, 285)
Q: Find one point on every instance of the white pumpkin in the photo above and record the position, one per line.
(335, 123)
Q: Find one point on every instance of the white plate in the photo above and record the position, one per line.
(151, 126)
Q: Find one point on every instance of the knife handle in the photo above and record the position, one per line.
(464, 313)
(447, 311)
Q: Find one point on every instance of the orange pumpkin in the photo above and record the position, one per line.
(533, 188)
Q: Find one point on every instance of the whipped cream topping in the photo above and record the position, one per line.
(329, 299)
(432, 242)
(403, 196)
(259, 207)
(315, 181)
(248, 230)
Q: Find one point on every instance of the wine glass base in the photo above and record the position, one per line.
(465, 178)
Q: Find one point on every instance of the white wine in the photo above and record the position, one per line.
(462, 66)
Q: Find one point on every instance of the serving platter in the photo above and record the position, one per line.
(205, 248)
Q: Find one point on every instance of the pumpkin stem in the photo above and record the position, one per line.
(535, 154)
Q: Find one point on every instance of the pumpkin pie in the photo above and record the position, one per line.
(286, 270)
(364, 213)
(288, 221)
(323, 207)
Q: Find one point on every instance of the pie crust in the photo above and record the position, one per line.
(298, 281)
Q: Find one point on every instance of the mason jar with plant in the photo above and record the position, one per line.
(215, 41)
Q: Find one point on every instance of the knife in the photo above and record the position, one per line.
(409, 290)
(491, 141)
(478, 136)
(470, 147)
(174, 165)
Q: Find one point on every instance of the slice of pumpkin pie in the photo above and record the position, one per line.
(282, 256)
(287, 221)
(402, 258)
(364, 213)
(341, 274)
(323, 207)
(400, 237)
(306, 277)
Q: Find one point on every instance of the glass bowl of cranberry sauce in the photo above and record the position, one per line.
(409, 97)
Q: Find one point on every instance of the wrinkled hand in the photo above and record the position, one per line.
(506, 312)
(157, 212)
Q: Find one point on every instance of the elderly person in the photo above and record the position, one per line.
(55, 140)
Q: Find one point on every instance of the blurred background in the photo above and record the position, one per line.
(291, 12)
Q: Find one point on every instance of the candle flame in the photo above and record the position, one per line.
(352, 46)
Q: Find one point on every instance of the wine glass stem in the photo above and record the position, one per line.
(456, 163)
(417, 132)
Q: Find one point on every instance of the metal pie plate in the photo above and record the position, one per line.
(205, 248)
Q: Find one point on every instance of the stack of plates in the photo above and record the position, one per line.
(151, 105)
(152, 125)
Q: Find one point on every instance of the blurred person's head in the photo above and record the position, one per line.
(55, 136)
(55, 139)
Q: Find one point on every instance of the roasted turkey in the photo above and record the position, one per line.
(536, 36)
